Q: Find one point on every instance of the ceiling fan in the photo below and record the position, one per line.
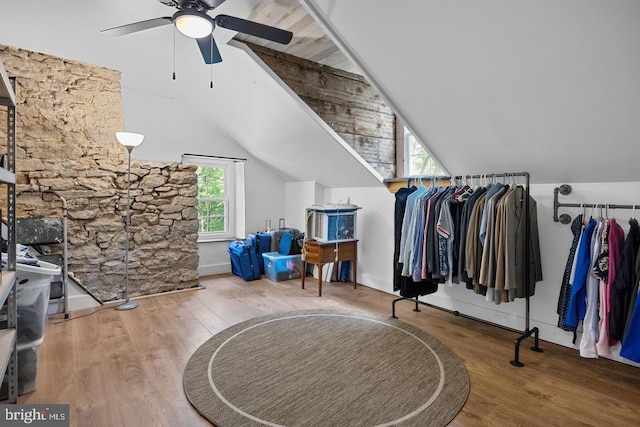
(192, 20)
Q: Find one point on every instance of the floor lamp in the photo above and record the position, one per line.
(130, 141)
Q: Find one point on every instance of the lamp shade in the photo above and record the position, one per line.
(129, 139)
(193, 24)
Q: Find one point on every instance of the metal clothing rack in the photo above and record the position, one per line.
(528, 331)
(565, 218)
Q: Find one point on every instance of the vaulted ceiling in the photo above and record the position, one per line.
(249, 113)
(548, 87)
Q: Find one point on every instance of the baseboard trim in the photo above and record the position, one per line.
(213, 269)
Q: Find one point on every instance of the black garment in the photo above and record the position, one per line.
(464, 225)
(624, 283)
(565, 289)
(456, 213)
(401, 204)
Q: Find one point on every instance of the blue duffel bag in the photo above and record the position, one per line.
(244, 260)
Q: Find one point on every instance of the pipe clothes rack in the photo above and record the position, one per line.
(528, 331)
(565, 218)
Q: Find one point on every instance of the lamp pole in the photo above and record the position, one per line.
(130, 141)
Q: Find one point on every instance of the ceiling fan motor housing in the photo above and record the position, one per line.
(193, 4)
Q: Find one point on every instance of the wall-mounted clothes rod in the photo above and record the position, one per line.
(565, 218)
(494, 175)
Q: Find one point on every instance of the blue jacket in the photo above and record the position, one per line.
(631, 342)
(578, 299)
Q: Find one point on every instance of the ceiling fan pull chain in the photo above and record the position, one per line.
(211, 66)
(174, 53)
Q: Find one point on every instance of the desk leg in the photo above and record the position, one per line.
(304, 272)
(320, 279)
(355, 269)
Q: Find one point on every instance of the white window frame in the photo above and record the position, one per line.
(406, 136)
(234, 195)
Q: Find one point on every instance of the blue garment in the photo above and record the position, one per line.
(483, 222)
(565, 290)
(406, 228)
(578, 299)
(416, 265)
(631, 342)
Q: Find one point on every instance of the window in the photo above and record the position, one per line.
(220, 197)
(417, 159)
(213, 203)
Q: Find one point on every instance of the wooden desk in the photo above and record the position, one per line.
(323, 253)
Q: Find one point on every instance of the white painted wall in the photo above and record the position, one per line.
(299, 196)
(375, 254)
(532, 84)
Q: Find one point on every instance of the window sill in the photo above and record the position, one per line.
(394, 184)
(215, 239)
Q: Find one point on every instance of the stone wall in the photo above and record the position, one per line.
(68, 113)
(345, 101)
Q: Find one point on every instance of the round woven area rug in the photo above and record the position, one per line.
(325, 368)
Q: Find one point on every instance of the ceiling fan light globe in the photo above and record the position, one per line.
(194, 26)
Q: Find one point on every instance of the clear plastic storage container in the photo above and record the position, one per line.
(279, 267)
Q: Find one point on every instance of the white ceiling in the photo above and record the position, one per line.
(248, 104)
(550, 87)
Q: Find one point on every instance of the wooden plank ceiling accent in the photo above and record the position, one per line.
(309, 39)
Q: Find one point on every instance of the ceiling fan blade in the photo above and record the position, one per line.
(254, 29)
(207, 47)
(123, 30)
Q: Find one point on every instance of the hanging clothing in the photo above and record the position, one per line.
(467, 210)
(399, 209)
(437, 239)
(631, 339)
(565, 289)
(488, 259)
(515, 229)
(456, 207)
(601, 269)
(616, 246)
(408, 229)
(577, 301)
(482, 230)
(420, 225)
(620, 297)
(407, 287)
(445, 227)
(634, 294)
(631, 343)
(473, 248)
(431, 255)
(590, 323)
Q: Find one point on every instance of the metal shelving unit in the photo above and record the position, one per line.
(8, 348)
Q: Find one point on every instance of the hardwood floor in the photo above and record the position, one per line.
(124, 368)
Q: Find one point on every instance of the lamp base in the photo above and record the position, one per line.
(127, 305)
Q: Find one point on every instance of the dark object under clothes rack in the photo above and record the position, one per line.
(528, 331)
